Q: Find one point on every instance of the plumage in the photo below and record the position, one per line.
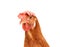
(33, 34)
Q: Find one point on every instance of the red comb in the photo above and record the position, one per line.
(23, 14)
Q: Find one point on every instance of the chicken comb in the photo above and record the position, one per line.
(23, 14)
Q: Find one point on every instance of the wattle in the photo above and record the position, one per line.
(26, 27)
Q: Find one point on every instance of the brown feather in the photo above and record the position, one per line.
(34, 37)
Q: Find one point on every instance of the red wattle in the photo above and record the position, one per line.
(26, 27)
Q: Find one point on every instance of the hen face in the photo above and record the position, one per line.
(27, 21)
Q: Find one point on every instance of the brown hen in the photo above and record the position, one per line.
(33, 35)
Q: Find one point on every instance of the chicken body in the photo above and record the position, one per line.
(35, 38)
(33, 35)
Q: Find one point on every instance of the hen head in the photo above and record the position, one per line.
(27, 20)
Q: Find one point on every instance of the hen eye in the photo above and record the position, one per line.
(30, 17)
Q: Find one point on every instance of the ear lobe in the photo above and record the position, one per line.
(34, 24)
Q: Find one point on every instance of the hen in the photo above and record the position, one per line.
(33, 35)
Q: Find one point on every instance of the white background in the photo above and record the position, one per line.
(47, 12)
